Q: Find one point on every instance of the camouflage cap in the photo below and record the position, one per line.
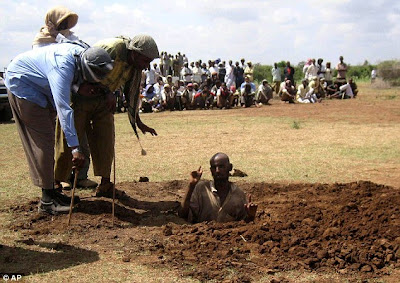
(145, 45)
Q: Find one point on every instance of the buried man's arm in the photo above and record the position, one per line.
(194, 179)
(251, 209)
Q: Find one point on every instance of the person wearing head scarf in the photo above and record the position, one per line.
(39, 84)
(249, 71)
(58, 22)
(131, 56)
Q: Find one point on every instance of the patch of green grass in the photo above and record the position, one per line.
(295, 125)
(380, 153)
(390, 97)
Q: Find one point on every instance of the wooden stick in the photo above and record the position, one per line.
(72, 197)
(113, 200)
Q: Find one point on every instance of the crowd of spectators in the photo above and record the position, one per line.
(176, 84)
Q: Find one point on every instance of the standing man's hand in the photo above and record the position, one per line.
(111, 102)
(145, 129)
(78, 159)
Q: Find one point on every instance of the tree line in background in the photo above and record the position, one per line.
(387, 70)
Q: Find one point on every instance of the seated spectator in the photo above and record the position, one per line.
(158, 88)
(264, 93)
(235, 96)
(218, 200)
(347, 90)
(150, 100)
(247, 91)
(288, 92)
(214, 90)
(204, 98)
(223, 97)
(282, 87)
(332, 89)
(344, 91)
(305, 94)
(353, 87)
(188, 96)
(177, 91)
(168, 80)
(316, 85)
(168, 97)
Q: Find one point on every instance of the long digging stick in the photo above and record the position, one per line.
(72, 196)
(113, 200)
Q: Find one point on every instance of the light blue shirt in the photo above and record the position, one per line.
(44, 75)
(243, 85)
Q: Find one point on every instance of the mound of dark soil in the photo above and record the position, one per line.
(349, 228)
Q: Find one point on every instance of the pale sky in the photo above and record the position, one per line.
(259, 31)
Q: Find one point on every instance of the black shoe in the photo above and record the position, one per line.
(64, 199)
(53, 207)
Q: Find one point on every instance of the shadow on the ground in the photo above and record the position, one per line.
(59, 256)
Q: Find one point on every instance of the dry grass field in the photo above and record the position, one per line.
(326, 143)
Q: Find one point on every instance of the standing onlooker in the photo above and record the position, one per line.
(249, 71)
(186, 74)
(312, 71)
(150, 76)
(167, 65)
(321, 68)
(175, 65)
(289, 73)
(342, 70)
(276, 78)
(328, 74)
(185, 59)
(239, 75)
(221, 72)
(373, 76)
(197, 72)
(59, 20)
(162, 63)
(230, 75)
(205, 73)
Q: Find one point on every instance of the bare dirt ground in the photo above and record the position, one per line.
(352, 229)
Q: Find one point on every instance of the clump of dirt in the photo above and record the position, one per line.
(351, 228)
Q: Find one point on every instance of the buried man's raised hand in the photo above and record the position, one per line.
(251, 209)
